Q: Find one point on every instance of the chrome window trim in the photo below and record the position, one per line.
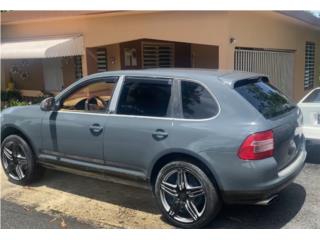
(79, 112)
(143, 117)
(116, 96)
(116, 115)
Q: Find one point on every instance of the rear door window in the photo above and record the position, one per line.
(197, 102)
(264, 97)
(314, 97)
(145, 97)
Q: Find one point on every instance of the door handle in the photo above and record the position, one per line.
(96, 128)
(159, 134)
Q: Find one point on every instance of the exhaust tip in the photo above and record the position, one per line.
(267, 202)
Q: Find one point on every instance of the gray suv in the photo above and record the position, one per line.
(197, 138)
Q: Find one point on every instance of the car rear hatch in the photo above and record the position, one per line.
(288, 137)
(282, 117)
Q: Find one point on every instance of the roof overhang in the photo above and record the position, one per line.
(43, 48)
(304, 16)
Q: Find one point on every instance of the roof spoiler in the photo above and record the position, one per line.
(242, 82)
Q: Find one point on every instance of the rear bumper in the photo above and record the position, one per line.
(270, 188)
(311, 133)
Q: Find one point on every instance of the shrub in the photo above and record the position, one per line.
(14, 103)
(6, 96)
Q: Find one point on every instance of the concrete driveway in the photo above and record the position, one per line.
(86, 202)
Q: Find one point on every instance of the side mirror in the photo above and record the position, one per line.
(48, 104)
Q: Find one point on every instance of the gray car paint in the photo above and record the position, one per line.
(127, 147)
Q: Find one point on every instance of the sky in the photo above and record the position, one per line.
(315, 13)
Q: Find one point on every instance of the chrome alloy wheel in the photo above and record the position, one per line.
(183, 195)
(14, 160)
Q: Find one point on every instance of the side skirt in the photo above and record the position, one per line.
(98, 173)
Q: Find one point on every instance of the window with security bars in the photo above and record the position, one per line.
(101, 60)
(309, 65)
(158, 55)
(78, 67)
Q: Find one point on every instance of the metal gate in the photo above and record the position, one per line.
(278, 65)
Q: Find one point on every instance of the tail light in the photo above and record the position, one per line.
(257, 146)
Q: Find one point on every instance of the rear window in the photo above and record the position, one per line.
(264, 97)
(314, 97)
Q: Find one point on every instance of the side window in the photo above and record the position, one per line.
(145, 97)
(197, 103)
(94, 97)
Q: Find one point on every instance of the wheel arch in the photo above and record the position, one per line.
(10, 129)
(186, 156)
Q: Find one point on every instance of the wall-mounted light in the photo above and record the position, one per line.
(232, 40)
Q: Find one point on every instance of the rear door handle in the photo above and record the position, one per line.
(96, 128)
(159, 134)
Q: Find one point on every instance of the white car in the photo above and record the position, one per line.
(310, 107)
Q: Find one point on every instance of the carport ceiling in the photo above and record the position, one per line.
(310, 17)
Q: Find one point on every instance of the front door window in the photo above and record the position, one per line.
(94, 97)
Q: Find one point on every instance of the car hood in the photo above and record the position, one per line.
(20, 108)
(18, 113)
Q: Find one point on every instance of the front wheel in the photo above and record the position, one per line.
(18, 160)
(186, 196)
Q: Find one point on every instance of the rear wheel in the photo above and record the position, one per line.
(18, 160)
(186, 196)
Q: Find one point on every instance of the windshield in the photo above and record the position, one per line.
(314, 97)
(267, 99)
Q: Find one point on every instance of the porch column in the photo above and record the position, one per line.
(84, 63)
(226, 56)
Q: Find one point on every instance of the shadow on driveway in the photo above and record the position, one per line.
(118, 194)
(280, 212)
(276, 215)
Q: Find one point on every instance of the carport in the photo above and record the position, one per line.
(43, 61)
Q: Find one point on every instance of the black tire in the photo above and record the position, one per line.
(31, 170)
(210, 207)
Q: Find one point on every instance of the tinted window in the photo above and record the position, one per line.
(145, 97)
(197, 103)
(314, 97)
(268, 100)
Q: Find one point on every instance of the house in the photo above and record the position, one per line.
(49, 50)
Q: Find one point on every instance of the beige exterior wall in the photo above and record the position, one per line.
(250, 29)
